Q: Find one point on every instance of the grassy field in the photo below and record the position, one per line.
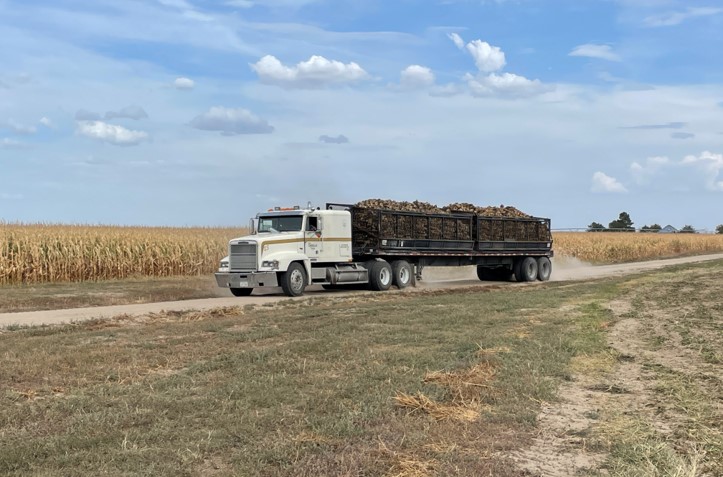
(34, 254)
(432, 383)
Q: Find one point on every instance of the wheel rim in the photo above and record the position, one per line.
(297, 280)
(404, 275)
(385, 277)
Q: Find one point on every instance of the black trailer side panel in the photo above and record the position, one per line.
(387, 232)
(377, 229)
(498, 233)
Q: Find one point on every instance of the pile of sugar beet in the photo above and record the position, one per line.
(427, 208)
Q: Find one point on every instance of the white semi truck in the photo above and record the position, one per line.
(345, 245)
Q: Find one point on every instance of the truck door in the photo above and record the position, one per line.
(313, 239)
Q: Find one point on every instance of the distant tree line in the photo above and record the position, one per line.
(625, 224)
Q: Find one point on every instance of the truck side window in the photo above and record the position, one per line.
(313, 224)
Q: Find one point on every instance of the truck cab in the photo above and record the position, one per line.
(288, 247)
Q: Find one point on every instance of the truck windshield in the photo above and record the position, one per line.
(280, 224)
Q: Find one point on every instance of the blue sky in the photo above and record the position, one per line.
(202, 112)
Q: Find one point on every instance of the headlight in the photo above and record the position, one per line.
(270, 264)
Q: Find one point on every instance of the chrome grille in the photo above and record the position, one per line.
(242, 256)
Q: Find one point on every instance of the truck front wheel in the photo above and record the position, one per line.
(380, 275)
(293, 281)
(401, 273)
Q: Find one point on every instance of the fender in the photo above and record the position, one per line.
(285, 259)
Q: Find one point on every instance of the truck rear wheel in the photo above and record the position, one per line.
(293, 281)
(241, 291)
(380, 275)
(544, 269)
(528, 270)
(401, 273)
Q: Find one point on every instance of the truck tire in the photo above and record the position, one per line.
(528, 270)
(241, 291)
(544, 269)
(380, 275)
(401, 273)
(293, 281)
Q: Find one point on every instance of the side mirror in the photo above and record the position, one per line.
(252, 226)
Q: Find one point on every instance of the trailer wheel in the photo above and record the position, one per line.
(528, 269)
(241, 291)
(401, 273)
(293, 281)
(544, 269)
(380, 275)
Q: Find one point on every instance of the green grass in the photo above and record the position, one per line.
(300, 388)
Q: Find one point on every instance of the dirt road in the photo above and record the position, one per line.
(563, 270)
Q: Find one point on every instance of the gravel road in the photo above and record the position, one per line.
(563, 270)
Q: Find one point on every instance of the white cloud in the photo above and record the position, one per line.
(642, 173)
(7, 196)
(506, 84)
(46, 122)
(129, 112)
(457, 40)
(589, 50)
(603, 183)
(690, 173)
(416, 76)
(183, 83)
(488, 58)
(340, 139)
(676, 18)
(111, 133)
(316, 72)
(710, 165)
(231, 122)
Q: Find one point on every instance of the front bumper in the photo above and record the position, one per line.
(246, 279)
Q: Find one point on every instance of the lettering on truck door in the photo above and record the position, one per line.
(313, 238)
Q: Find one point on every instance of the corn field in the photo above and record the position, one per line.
(611, 247)
(39, 253)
